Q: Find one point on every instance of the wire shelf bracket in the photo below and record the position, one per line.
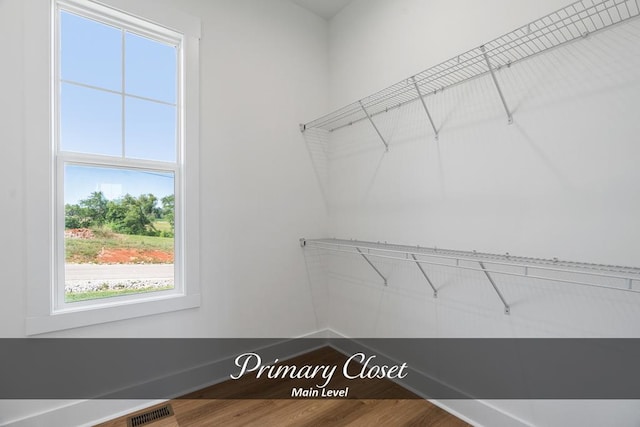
(507, 309)
(495, 82)
(551, 270)
(386, 145)
(424, 105)
(435, 291)
(571, 23)
(372, 266)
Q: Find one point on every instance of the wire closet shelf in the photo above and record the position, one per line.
(572, 22)
(619, 278)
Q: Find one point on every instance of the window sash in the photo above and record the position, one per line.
(122, 21)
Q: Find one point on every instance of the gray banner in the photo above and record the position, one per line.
(435, 368)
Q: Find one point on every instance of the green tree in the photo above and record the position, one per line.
(148, 204)
(76, 217)
(169, 210)
(116, 211)
(96, 207)
(136, 221)
(129, 214)
(132, 215)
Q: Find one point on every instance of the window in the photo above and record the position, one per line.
(123, 181)
(117, 148)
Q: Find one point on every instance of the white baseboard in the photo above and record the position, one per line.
(91, 412)
(479, 413)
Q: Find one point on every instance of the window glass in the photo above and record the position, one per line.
(119, 201)
(91, 52)
(151, 70)
(119, 232)
(90, 121)
(150, 130)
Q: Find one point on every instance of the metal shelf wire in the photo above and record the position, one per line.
(572, 22)
(612, 277)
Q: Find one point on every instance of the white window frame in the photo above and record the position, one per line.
(46, 309)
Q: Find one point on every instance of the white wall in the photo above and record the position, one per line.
(382, 42)
(565, 169)
(12, 173)
(562, 181)
(263, 71)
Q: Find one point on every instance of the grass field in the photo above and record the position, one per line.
(83, 296)
(87, 250)
(162, 226)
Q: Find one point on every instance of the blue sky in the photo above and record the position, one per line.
(81, 181)
(96, 117)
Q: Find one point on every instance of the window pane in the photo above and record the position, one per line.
(150, 130)
(151, 68)
(119, 227)
(90, 121)
(91, 53)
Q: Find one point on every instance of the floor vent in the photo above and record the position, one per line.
(150, 416)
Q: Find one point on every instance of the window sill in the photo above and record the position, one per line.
(111, 313)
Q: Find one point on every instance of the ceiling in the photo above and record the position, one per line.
(324, 8)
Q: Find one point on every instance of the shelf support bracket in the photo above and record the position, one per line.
(495, 82)
(507, 309)
(372, 266)
(386, 146)
(424, 105)
(435, 291)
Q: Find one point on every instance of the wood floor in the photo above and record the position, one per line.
(370, 403)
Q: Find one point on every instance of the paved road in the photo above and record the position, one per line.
(118, 271)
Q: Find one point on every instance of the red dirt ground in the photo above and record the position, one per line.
(133, 256)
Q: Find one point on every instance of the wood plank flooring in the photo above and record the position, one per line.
(370, 403)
